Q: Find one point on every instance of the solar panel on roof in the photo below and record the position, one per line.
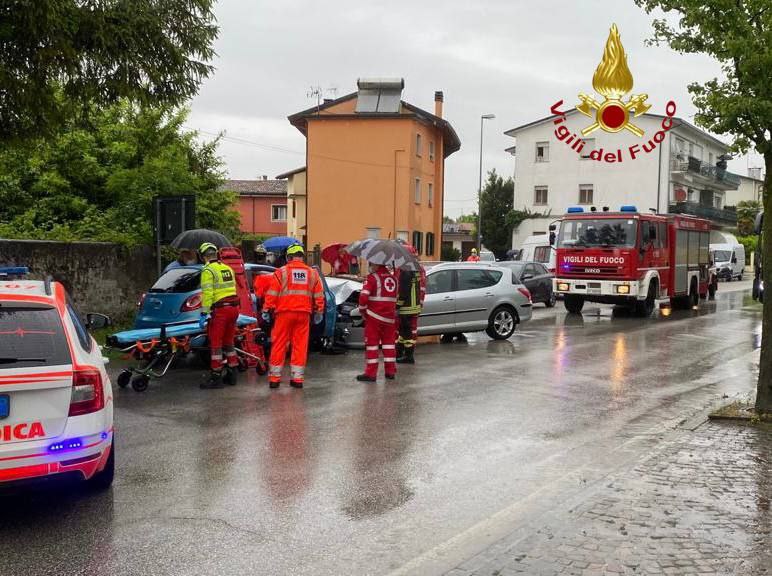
(367, 101)
(389, 101)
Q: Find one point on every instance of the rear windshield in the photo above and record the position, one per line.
(598, 232)
(178, 280)
(32, 337)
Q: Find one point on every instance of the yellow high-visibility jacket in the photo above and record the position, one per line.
(217, 282)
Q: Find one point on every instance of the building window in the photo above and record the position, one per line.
(540, 195)
(402, 235)
(418, 146)
(431, 150)
(373, 233)
(585, 194)
(294, 209)
(430, 193)
(417, 190)
(542, 151)
(718, 201)
(589, 146)
(429, 244)
(710, 158)
(418, 238)
(278, 212)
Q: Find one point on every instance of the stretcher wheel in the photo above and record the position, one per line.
(230, 376)
(140, 382)
(261, 368)
(124, 378)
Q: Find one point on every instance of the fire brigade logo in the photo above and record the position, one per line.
(613, 80)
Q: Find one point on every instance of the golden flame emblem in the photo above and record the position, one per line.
(612, 80)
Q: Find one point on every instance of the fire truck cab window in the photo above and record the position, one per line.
(584, 233)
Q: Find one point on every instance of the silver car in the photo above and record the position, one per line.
(472, 297)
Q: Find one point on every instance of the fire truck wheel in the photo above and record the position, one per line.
(573, 304)
(644, 308)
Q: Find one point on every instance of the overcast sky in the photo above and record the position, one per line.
(511, 58)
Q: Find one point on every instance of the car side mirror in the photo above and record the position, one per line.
(734, 259)
(96, 321)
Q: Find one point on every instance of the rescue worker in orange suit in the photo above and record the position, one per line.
(473, 257)
(294, 294)
(378, 306)
(410, 299)
(219, 313)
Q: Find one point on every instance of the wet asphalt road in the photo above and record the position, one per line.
(409, 477)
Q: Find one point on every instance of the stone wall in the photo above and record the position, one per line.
(100, 277)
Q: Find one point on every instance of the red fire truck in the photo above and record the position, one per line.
(632, 259)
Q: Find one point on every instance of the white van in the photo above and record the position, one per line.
(537, 249)
(729, 260)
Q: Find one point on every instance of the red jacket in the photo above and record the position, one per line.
(378, 298)
(295, 287)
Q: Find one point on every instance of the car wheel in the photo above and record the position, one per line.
(447, 338)
(124, 378)
(573, 304)
(502, 323)
(552, 300)
(103, 480)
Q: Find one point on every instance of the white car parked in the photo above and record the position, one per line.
(56, 401)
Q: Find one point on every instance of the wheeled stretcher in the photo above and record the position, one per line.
(155, 349)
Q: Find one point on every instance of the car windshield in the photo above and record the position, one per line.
(619, 232)
(32, 337)
(722, 256)
(516, 267)
(178, 280)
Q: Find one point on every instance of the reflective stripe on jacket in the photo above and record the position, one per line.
(378, 298)
(410, 294)
(295, 287)
(217, 282)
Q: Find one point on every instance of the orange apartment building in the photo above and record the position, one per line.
(375, 167)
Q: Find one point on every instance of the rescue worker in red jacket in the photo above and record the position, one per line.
(295, 293)
(378, 306)
(473, 257)
(219, 312)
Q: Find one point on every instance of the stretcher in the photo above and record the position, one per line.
(156, 349)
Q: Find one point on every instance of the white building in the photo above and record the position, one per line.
(683, 173)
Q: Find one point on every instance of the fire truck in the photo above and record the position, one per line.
(633, 259)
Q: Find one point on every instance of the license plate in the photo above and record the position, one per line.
(5, 406)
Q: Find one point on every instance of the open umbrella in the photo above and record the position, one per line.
(332, 252)
(377, 251)
(192, 239)
(279, 243)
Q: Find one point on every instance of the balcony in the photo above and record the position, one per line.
(696, 172)
(717, 215)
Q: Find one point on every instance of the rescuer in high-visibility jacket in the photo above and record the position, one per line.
(219, 313)
(410, 299)
(377, 304)
(294, 294)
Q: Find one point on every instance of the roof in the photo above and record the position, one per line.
(457, 228)
(451, 139)
(285, 175)
(681, 123)
(256, 187)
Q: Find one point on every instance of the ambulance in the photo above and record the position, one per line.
(56, 400)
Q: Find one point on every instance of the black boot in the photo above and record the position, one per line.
(400, 349)
(214, 381)
(365, 378)
(407, 357)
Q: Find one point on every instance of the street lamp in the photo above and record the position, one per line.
(479, 185)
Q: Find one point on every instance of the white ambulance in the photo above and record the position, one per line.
(56, 401)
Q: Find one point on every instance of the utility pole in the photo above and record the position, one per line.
(479, 184)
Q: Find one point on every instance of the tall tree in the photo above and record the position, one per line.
(738, 34)
(96, 52)
(496, 202)
(96, 181)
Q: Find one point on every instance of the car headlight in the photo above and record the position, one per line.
(562, 287)
(623, 289)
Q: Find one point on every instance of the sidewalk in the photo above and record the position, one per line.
(698, 504)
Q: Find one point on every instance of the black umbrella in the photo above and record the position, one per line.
(384, 251)
(192, 239)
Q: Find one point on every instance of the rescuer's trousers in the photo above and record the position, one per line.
(379, 335)
(408, 330)
(221, 332)
(290, 328)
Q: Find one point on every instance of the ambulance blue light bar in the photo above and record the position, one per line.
(66, 445)
(628, 208)
(574, 210)
(6, 271)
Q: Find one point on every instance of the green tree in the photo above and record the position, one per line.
(496, 202)
(739, 36)
(96, 180)
(152, 52)
(449, 254)
(746, 216)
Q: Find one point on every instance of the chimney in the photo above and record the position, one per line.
(265, 177)
(438, 99)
